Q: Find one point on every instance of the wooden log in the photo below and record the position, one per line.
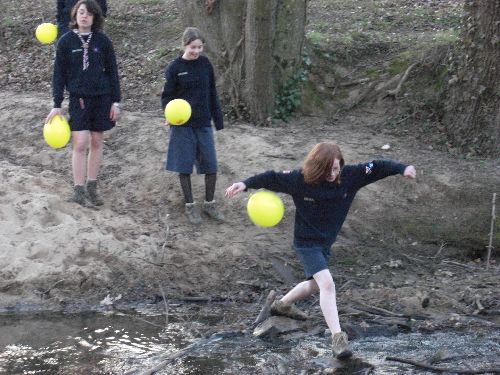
(443, 369)
(165, 360)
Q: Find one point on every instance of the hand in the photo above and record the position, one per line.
(54, 112)
(234, 189)
(114, 113)
(410, 172)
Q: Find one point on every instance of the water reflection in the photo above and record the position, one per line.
(95, 343)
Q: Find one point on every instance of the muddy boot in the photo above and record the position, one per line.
(211, 210)
(340, 346)
(193, 214)
(78, 195)
(91, 193)
(291, 311)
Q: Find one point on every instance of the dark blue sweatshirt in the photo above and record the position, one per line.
(321, 209)
(193, 81)
(101, 77)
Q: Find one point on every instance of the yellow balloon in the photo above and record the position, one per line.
(46, 33)
(57, 132)
(265, 208)
(177, 112)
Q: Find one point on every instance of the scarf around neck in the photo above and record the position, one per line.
(85, 46)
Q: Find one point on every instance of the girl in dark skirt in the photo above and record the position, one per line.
(323, 191)
(85, 66)
(191, 77)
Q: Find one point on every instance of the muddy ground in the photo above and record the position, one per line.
(413, 248)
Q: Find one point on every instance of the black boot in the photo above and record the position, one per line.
(193, 214)
(78, 195)
(211, 210)
(91, 193)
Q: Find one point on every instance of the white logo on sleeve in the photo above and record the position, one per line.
(368, 168)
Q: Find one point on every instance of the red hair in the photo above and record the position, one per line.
(319, 162)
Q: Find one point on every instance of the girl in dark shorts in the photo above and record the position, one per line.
(322, 191)
(85, 65)
(191, 77)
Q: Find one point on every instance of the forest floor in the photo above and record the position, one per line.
(413, 248)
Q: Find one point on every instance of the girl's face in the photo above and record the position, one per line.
(84, 18)
(193, 50)
(335, 171)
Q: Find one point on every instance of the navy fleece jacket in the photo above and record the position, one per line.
(101, 77)
(321, 209)
(193, 81)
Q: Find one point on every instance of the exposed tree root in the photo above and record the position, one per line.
(395, 92)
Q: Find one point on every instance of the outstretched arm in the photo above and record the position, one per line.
(280, 182)
(234, 189)
(376, 170)
(410, 172)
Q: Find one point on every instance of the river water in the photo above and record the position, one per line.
(120, 343)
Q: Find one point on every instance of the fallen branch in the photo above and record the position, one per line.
(351, 311)
(166, 359)
(443, 244)
(396, 91)
(165, 303)
(377, 310)
(392, 321)
(458, 264)
(490, 246)
(442, 369)
(356, 82)
(201, 299)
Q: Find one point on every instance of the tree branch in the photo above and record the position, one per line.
(396, 91)
(442, 369)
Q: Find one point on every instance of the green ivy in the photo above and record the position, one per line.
(289, 96)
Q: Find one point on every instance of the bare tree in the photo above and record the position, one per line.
(255, 45)
(472, 112)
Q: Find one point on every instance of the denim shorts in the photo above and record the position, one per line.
(191, 146)
(90, 113)
(313, 259)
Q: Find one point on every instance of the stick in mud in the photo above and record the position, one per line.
(190, 348)
(490, 247)
(443, 369)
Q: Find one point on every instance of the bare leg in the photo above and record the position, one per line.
(95, 154)
(80, 145)
(327, 300)
(300, 291)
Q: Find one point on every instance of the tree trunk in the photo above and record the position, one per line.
(255, 46)
(472, 112)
